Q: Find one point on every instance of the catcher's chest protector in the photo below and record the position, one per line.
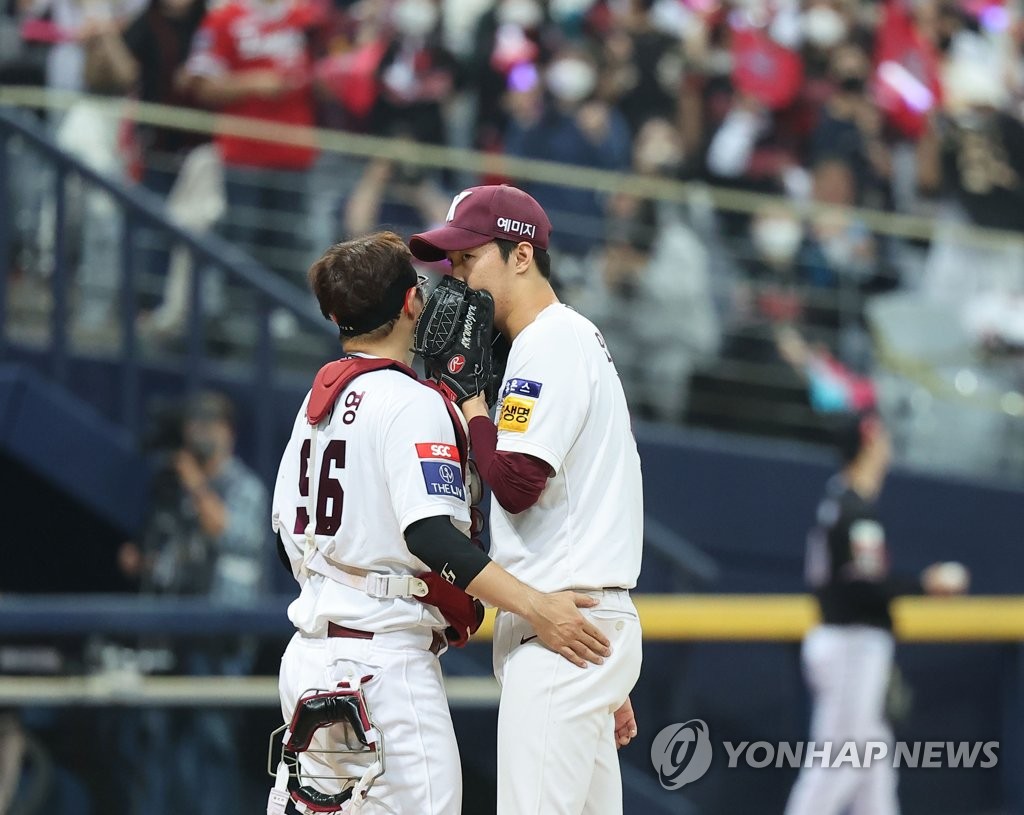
(335, 376)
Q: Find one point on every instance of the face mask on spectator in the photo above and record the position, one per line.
(659, 156)
(838, 251)
(823, 26)
(571, 79)
(777, 239)
(852, 84)
(415, 18)
(526, 14)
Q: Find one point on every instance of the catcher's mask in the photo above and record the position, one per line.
(344, 710)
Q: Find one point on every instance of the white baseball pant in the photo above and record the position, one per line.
(847, 668)
(556, 735)
(406, 702)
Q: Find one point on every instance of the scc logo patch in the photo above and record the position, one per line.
(456, 364)
(442, 474)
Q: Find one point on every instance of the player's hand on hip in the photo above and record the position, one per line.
(561, 627)
(625, 724)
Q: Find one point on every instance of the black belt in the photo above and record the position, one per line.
(334, 630)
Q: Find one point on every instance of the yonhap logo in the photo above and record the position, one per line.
(681, 753)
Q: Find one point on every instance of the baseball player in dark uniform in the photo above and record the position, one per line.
(848, 657)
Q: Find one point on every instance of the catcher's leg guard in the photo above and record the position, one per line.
(343, 709)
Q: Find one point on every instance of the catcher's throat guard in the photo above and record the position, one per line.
(344, 711)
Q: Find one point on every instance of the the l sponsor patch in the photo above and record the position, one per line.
(515, 413)
(442, 472)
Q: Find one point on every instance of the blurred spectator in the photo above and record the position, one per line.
(652, 300)
(159, 42)
(196, 202)
(146, 60)
(758, 149)
(90, 131)
(555, 116)
(21, 63)
(837, 261)
(205, 536)
(22, 60)
(405, 196)
(826, 26)
(643, 67)
(813, 274)
(973, 154)
(650, 292)
(459, 19)
(417, 75)
(252, 58)
(850, 129)
(760, 140)
(71, 26)
(511, 37)
(773, 294)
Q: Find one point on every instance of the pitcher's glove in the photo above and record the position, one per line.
(454, 336)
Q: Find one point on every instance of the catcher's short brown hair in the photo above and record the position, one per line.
(361, 283)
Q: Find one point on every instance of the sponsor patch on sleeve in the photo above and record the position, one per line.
(522, 387)
(442, 473)
(515, 413)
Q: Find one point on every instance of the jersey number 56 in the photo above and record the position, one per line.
(330, 497)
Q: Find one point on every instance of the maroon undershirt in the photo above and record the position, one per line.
(516, 479)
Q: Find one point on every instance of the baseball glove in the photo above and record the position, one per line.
(454, 335)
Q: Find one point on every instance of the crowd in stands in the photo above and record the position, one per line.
(897, 106)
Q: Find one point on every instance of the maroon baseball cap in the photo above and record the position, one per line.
(480, 214)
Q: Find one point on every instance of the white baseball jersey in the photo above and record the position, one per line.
(386, 458)
(563, 403)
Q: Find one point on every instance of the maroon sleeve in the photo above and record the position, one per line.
(516, 479)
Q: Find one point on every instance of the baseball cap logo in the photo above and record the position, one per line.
(458, 199)
(456, 363)
(514, 227)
